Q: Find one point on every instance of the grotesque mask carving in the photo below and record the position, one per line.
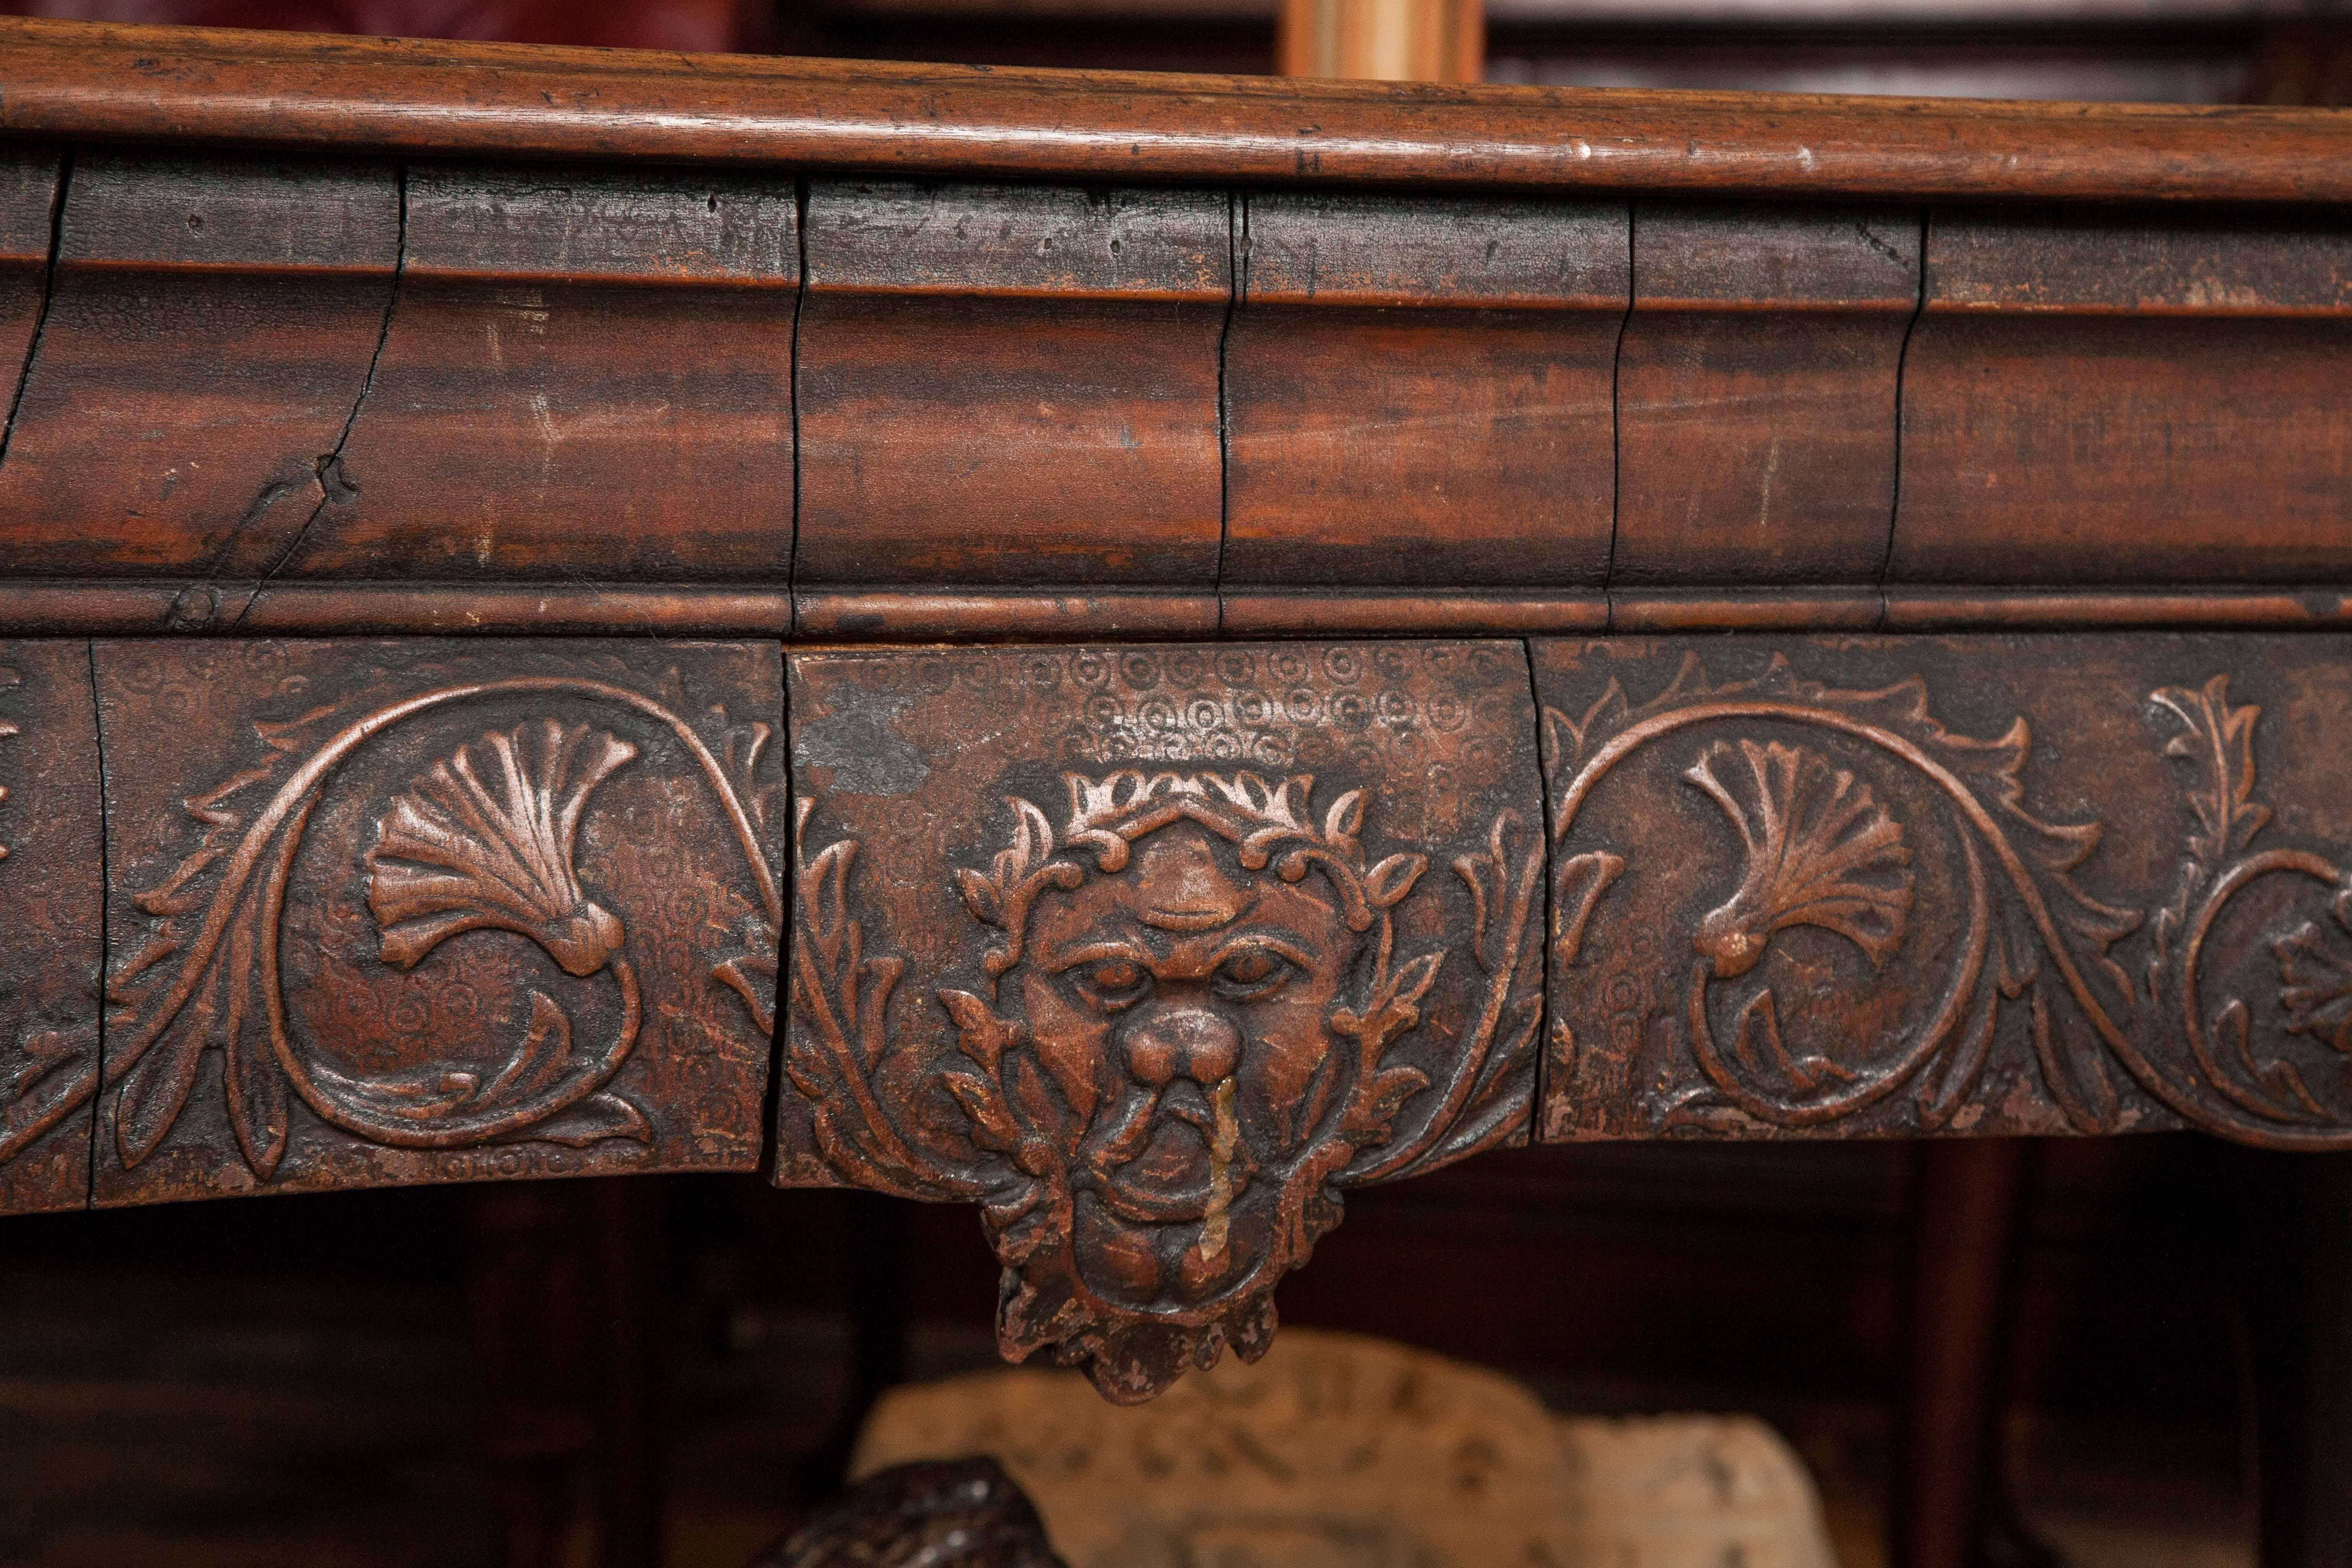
(1188, 967)
(1188, 1012)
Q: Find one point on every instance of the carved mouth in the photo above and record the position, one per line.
(1171, 1177)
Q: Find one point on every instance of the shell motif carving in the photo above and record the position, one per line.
(1820, 851)
(459, 853)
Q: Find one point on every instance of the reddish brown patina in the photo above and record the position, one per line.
(390, 913)
(1153, 951)
(52, 889)
(1901, 886)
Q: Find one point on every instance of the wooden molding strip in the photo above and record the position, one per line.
(37, 607)
(293, 91)
(45, 607)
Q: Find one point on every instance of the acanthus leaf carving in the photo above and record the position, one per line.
(1979, 778)
(2218, 738)
(2032, 934)
(482, 840)
(1099, 1088)
(2216, 742)
(844, 998)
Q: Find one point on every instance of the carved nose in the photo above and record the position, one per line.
(1182, 1042)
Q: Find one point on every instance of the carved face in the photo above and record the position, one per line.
(1183, 1006)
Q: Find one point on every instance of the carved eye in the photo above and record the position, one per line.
(1251, 973)
(1114, 982)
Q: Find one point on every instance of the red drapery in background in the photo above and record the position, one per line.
(692, 25)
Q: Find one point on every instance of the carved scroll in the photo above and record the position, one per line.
(1153, 952)
(408, 911)
(1997, 885)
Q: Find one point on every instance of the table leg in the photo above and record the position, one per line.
(1963, 1222)
(561, 1300)
(878, 1284)
(2299, 1315)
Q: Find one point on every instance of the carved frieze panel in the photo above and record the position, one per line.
(51, 892)
(1153, 952)
(417, 911)
(1980, 885)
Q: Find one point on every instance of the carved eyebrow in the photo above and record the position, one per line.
(1101, 952)
(1244, 941)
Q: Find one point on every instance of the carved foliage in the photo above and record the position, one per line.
(457, 853)
(1819, 851)
(1191, 1021)
(414, 824)
(1834, 795)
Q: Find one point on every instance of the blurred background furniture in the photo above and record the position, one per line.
(1344, 1451)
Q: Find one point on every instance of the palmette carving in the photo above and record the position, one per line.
(1819, 851)
(1896, 1021)
(480, 845)
(1153, 953)
(1193, 988)
(457, 853)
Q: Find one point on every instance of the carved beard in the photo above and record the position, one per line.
(1133, 1351)
(1176, 1121)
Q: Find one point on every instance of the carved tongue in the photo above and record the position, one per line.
(1217, 1220)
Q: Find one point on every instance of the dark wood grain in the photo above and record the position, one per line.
(2101, 399)
(558, 225)
(117, 608)
(1425, 381)
(1996, 885)
(1010, 388)
(578, 413)
(1018, 241)
(952, 615)
(587, 375)
(1157, 950)
(1244, 612)
(63, 607)
(1955, 610)
(1793, 609)
(433, 98)
(52, 899)
(1965, 1204)
(29, 178)
(1755, 393)
(206, 340)
(404, 912)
